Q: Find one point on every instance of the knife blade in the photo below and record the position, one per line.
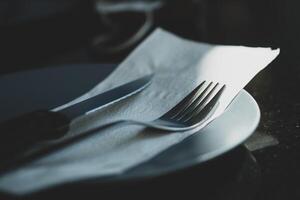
(24, 131)
(105, 99)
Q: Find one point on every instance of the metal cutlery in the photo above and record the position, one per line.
(192, 111)
(20, 133)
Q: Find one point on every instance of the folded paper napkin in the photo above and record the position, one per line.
(179, 66)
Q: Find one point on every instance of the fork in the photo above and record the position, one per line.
(191, 112)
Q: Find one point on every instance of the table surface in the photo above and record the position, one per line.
(276, 91)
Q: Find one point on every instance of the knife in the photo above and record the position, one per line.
(17, 134)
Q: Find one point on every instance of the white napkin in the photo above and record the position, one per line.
(179, 66)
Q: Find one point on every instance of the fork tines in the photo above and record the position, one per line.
(198, 103)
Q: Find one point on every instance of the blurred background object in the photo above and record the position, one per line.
(38, 32)
(34, 32)
(128, 22)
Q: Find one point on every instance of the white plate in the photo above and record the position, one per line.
(225, 133)
(222, 135)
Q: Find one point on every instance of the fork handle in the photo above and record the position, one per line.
(20, 133)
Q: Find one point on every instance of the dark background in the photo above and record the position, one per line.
(40, 34)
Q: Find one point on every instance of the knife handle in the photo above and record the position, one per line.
(20, 133)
